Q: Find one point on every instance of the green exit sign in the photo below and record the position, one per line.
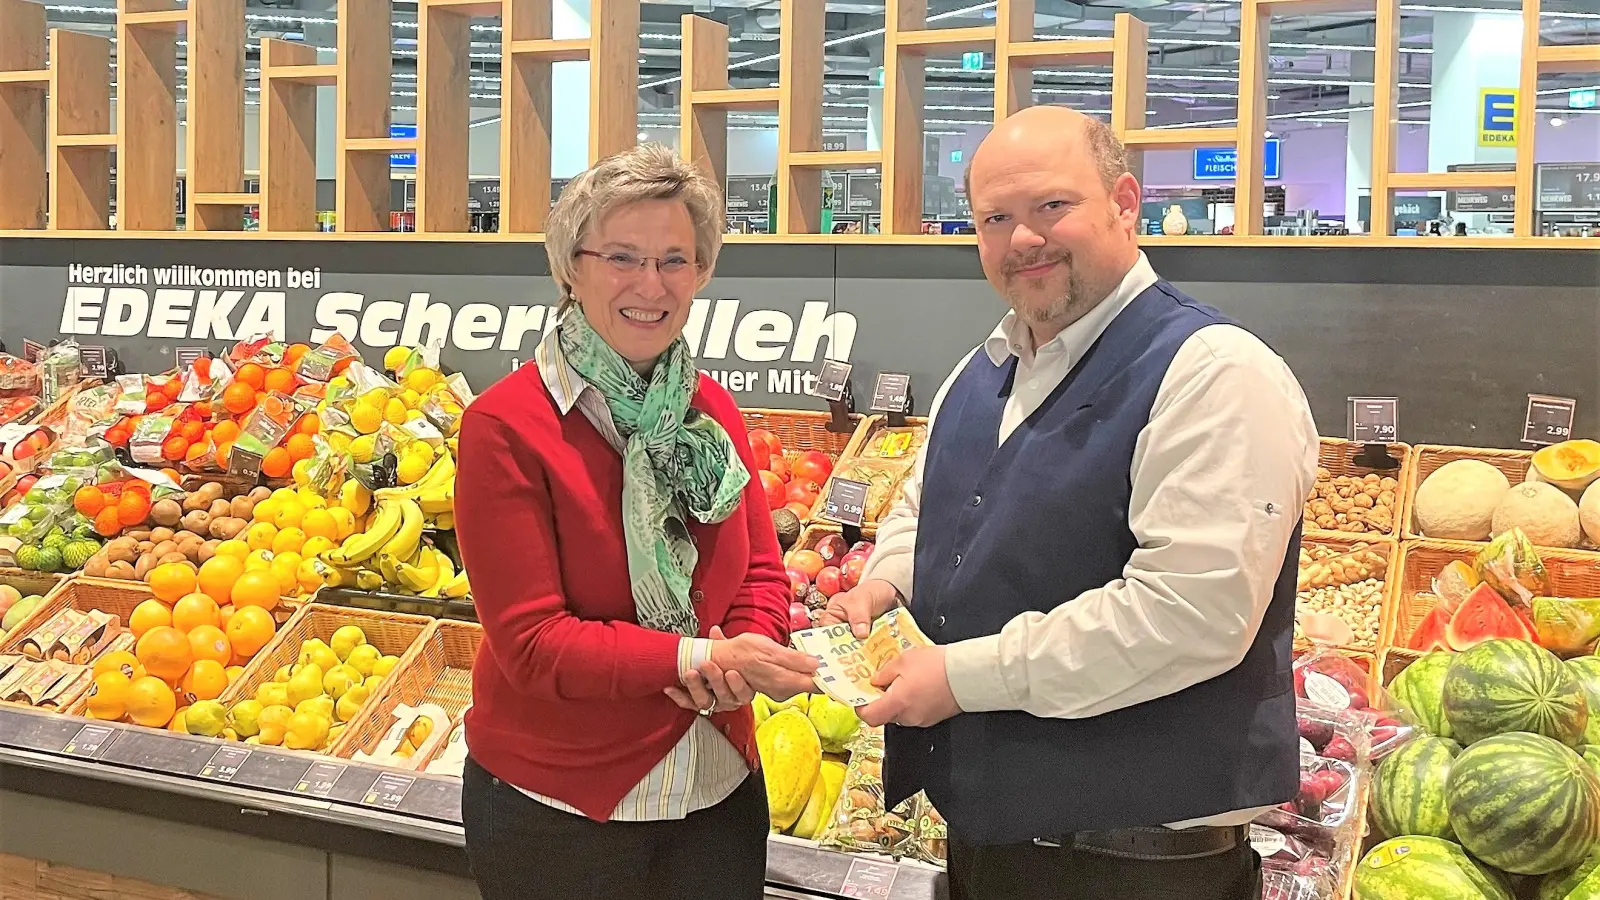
(955, 156)
(1582, 99)
(972, 61)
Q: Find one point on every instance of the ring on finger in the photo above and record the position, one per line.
(706, 711)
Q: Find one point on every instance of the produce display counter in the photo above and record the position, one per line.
(338, 807)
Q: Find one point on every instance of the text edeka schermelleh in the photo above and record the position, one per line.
(185, 302)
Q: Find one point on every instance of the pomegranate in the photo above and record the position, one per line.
(802, 511)
(831, 547)
(762, 453)
(799, 583)
(804, 491)
(779, 467)
(807, 561)
(799, 617)
(774, 446)
(813, 464)
(829, 581)
(850, 573)
(772, 486)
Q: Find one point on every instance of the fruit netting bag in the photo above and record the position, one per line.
(1511, 566)
(859, 822)
(90, 412)
(18, 377)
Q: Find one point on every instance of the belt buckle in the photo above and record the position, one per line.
(1043, 842)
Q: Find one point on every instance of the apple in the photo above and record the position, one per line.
(23, 450)
(762, 453)
(9, 597)
(5, 470)
(799, 583)
(772, 486)
(805, 491)
(850, 573)
(829, 581)
(25, 483)
(799, 616)
(831, 547)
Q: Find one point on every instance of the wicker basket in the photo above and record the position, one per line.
(1344, 546)
(1340, 459)
(869, 429)
(1347, 876)
(392, 633)
(1427, 458)
(79, 592)
(800, 430)
(438, 670)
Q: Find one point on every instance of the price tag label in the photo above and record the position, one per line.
(96, 361)
(891, 392)
(869, 878)
(846, 502)
(388, 790)
(1373, 420)
(32, 351)
(89, 741)
(1549, 419)
(185, 356)
(225, 763)
(833, 380)
(318, 781)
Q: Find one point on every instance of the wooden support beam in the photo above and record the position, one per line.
(324, 75)
(288, 134)
(1130, 67)
(214, 149)
(702, 120)
(1087, 52)
(1249, 186)
(904, 75)
(23, 128)
(365, 42)
(384, 145)
(1385, 117)
(1448, 181)
(837, 159)
(147, 117)
(1181, 138)
(80, 109)
(741, 98)
(443, 107)
(234, 200)
(1525, 200)
(1013, 72)
(945, 40)
(467, 8)
(551, 50)
(1313, 7)
(163, 19)
(526, 125)
(613, 77)
(799, 117)
(1570, 58)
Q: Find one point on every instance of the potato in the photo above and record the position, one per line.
(163, 548)
(242, 508)
(194, 501)
(198, 521)
(138, 534)
(211, 491)
(259, 493)
(96, 566)
(207, 551)
(220, 508)
(122, 569)
(143, 566)
(182, 536)
(166, 512)
(123, 549)
(145, 546)
(227, 529)
(174, 557)
(159, 535)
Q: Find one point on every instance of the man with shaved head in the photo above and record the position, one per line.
(1102, 537)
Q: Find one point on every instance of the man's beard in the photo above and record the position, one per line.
(1065, 309)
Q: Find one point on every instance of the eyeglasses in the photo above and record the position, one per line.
(633, 264)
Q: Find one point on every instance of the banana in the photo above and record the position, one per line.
(333, 576)
(445, 521)
(447, 572)
(457, 587)
(441, 477)
(357, 548)
(386, 567)
(406, 538)
(440, 500)
(368, 580)
(418, 578)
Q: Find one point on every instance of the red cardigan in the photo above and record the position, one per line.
(567, 689)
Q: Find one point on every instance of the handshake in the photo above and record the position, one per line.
(745, 664)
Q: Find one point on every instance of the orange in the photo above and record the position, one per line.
(280, 380)
(224, 450)
(193, 611)
(119, 661)
(225, 431)
(206, 681)
(341, 365)
(249, 630)
(224, 616)
(165, 652)
(89, 501)
(320, 523)
(293, 352)
(174, 448)
(277, 463)
(171, 581)
(193, 430)
(208, 642)
(218, 574)
(300, 446)
(197, 453)
(108, 696)
(172, 474)
(310, 423)
(147, 615)
(151, 702)
(233, 673)
(203, 410)
(176, 726)
(257, 588)
(252, 375)
(238, 398)
(133, 507)
(107, 522)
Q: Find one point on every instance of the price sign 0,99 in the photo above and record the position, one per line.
(847, 501)
(890, 392)
(833, 380)
(1373, 420)
(1549, 419)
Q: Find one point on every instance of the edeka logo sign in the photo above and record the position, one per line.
(770, 348)
(1497, 117)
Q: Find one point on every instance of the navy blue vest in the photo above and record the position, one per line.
(1032, 524)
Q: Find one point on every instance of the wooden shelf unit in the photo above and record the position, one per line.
(290, 76)
(214, 145)
(23, 128)
(147, 114)
(361, 139)
(1538, 59)
(81, 138)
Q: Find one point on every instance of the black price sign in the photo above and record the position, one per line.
(1373, 420)
(1549, 419)
(869, 878)
(96, 361)
(186, 356)
(32, 351)
(847, 501)
(388, 790)
(225, 763)
(833, 380)
(318, 780)
(89, 741)
(891, 392)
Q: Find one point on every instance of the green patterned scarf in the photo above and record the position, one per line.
(676, 460)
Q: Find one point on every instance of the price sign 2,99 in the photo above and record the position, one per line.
(1549, 419)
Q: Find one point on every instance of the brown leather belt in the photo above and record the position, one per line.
(1153, 843)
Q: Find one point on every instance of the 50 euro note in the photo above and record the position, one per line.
(847, 663)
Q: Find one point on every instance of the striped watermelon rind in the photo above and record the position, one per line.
(1524, 803)
(1503, 686)
(1582, 882)
(1586, 669)
(1414, 867)
(1409, 795)
(1419, 690)
(1591, 755)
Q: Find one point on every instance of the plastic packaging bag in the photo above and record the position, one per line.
(1454, 584)
(145, 444)
(18, 377)
(859, 821)
(930, 836)
(1511, 566)
(1568, 627)
(265, 428)
(320, 363)
(1332, 688)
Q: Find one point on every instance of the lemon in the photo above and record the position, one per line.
(273, 721)
(289, 540)
(396, 357)
(206, 718)
(310, 499)
(421, 378)
(362, 448)
(339, 441)
(376, 398)
(260, 536)
(245, 717)
(258, 560)
(265, 510)
(273, 694)
(385, 665)
(340, 680)
(411, 469)
(346, 640)
(235, 548)
(301, 472)
(395, 412)
(415, 415)
(365, 418)
(289, 514)
(307, 576)
(306, 731)
(178, 725)
(364, 659)
(284, 493)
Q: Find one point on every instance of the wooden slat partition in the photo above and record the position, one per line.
(905, 43)
(80, 105)
(214, 145)
(288, 134)
(800, 54)
(702, 121)
(360, 141)
(444, 40)
(1537, 59)
(23, 141)
(147, 117)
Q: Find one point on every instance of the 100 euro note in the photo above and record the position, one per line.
(848, 663)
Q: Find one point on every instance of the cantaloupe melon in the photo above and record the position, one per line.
(1589, 513)
(1570, 465)
(1458, 500)
(1546, 515)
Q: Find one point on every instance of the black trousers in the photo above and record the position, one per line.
(1033, 872)
(520, 849)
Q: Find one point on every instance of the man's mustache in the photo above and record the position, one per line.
(1015, 264)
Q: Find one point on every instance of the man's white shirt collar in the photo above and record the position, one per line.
(1012, 337)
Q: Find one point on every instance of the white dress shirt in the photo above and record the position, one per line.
(1219, 476)
(703, 768)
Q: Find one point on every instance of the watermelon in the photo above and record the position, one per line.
(1591, 755)
(1409, 795)
(1419, 690)
(1430, 634)
(1581, 882)
(1416, 867)
(1484, 616)
(1524, 803)
(1512, 685)
(1586, 669)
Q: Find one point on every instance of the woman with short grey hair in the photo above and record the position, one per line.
(626, 572)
